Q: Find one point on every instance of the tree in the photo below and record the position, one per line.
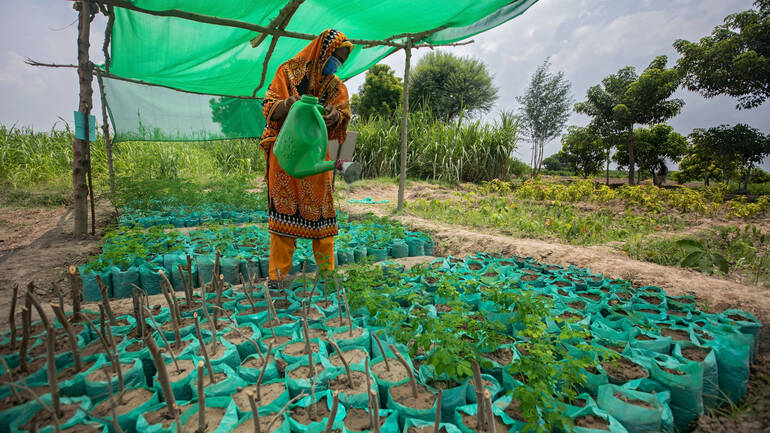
(734, 60)
(627, 99)
(708, 157)
(749, 146)
(545, 108)
(555, 162)
(449, 86)
(380, 94)
(583, 149)
(653, 147)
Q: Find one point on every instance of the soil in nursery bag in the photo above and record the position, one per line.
(625, 370)
(502, 356)
(513, 411)
(247, 426)
(277, 341)
(675, 334)
(592, 422)
(303, 371)
(402, 394)
(43, 418)
(131, 399)
(337, 322)
(634, 401)
(470, 421)
(355, 356)
(275, 323)
(340, 383)
(695, 353)
(357, 420)
(298, 349)
(303, 415)
(396, 374)
(162, 417)
(186, 366)
(85, 428)
(425, 429)
(237, 339)
(268, 393)
(214, 417)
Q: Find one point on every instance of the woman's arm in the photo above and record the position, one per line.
(282, 109)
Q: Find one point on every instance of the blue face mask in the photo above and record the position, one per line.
(331, 65)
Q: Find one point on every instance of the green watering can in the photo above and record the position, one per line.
(301, 145)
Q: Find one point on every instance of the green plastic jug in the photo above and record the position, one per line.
(301, 145)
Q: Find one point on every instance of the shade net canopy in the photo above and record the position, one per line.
(219, 60)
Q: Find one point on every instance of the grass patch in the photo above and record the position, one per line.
(49, 198)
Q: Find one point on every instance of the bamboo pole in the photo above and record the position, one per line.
(404, 123)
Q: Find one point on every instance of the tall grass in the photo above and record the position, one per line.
(468, 151)
(29, 158)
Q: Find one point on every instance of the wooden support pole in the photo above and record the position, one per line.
(80, 152)
(404, 122)
(106, 132)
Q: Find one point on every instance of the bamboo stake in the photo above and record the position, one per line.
(76, 289)
(203, 348)
(344, 362)
(59, 312)
(105, 299)
(165, 383)
(333, 413)
(408, 368)
(264, 368)
(436, 424)
(12, 316)
(53, 382)
(480, 411)
(254, 411)
(201, 400)
(384, 355)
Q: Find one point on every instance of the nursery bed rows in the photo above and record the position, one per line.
(467, 342)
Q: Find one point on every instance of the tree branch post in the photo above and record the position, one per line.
(404, 123)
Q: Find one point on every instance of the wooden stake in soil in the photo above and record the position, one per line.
(333, 413)
(375, 410)
(283, 409)
(208, 317)
(53, 382)
(408, 368)
(11, 382)
(201, 400)
(59, 312)
(436, 424)
(254, 411)
(347, 309)
(344, 362)
(202, 347)
(187, 290)
(105, 299)
(172, 315)
(25, 331)
(368, 389)
(265, 361)
(246, 292)
(308, 347)
(218, 299)
(110, 348)
(165, 383)
(33, 300)
(480, 412)
(114, 419)
(76, 289)
(136, 298)
(12, 316)
(384, 355)
(491, 414)
(165, 342)
(171, 298)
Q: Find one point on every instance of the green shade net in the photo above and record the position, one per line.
(219, 60)
(143, 112)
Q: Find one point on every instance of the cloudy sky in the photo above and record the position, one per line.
(587, 39)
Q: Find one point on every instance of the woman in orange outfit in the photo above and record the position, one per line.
(304, 208)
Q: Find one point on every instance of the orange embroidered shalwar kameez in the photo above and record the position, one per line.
(303, 208)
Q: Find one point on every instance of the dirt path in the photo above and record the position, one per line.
(718, 294)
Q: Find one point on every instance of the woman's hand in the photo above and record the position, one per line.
(283, 108)
(332, 116)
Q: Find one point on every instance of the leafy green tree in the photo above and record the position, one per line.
(545, 108)
(708, 157)
(583, 149)
(654, 146)
(734, 60)
(555, 162)
(749, 147)
(626, 99)
(448, 86)
(380, 94)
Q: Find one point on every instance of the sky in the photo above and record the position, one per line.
(587, 39)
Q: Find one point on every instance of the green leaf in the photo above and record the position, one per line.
(692, 259)
(721, 263)
(690, 245)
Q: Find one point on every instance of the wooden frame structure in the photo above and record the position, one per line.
(87, 9)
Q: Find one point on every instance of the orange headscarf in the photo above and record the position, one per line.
(302, 75)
